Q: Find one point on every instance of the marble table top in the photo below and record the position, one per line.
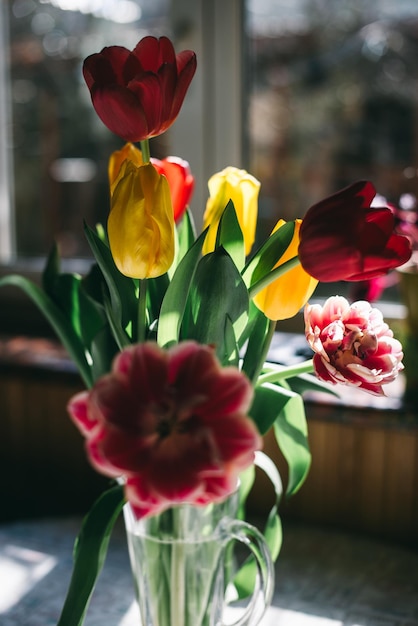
(324, 578)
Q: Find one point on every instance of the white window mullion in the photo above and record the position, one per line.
(7, 230)
(209, 130)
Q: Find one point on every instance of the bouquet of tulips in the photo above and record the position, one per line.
(170, 329)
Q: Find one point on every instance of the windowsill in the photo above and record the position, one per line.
(31, 355)
(43, 356)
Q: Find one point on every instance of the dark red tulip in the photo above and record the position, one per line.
(172, 422)
(344, 238)
(180, 180)
(138, 94)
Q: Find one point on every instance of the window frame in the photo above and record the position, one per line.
(209, 133)
(7, 225)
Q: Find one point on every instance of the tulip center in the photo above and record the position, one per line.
(356, 347)
(172, 418)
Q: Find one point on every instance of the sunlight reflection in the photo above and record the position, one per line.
(275, 617)
(20, 570)
(285, 617)
(131, 616)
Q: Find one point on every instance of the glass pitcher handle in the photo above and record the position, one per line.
(264, 585)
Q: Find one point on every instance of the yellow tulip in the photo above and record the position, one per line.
(129, 152)
(140, 224)
(286, 295)
(240, 187)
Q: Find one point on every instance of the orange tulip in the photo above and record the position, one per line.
(129, 152)
(286, 295)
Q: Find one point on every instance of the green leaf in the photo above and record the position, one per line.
(121, 288)
(51, 269)
(64, 290)
(273, 528)
(63, 328)
(246, 478)
(276, 406)
(175, 299)
(291, 433)
(267, 256)
(92, 313)
(218, 293)
(186, 234)
(245, 578)
(229, 236)
(67, 290)
(103, 351)
(230, 354)
(258, 344)
(156, 290)
(268, 403)
(90, 554)
(119, 334)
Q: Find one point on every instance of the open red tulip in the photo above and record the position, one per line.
(180, 180)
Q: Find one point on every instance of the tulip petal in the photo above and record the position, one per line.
(140, 223)
(180, 180)
(286, 295)
(120, 111)
(232, 184)
(172, 422)
(343, 238)
(138, 94)
(352, 344)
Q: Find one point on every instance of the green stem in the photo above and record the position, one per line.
(177, 586)
(264, 350)
(287, 372)
(271, 276)
(142, 311)
(146, 154)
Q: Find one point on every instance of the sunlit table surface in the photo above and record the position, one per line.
(323, 578)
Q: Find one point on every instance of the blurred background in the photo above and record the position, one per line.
(309, 95)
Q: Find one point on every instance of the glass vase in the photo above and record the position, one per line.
(182, 563)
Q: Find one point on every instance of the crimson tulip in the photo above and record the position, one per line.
(180, 180)
(138, 94)
(344, 238)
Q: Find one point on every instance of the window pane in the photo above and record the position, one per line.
(333, 100)
(59, 146)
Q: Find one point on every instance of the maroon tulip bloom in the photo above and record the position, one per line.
(172, 423)
(138, 94)
(180, 180)
(344, 238)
